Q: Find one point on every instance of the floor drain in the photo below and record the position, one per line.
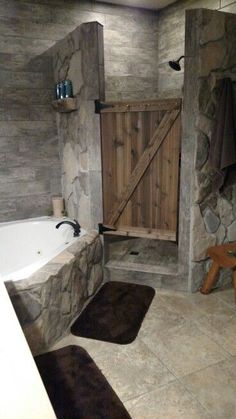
(134, 253)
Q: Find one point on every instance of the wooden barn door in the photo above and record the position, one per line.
(140, 166)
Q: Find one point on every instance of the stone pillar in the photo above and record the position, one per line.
(190, 109)
(79, 57)
(206, 218)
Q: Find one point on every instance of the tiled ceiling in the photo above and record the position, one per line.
(147, 4)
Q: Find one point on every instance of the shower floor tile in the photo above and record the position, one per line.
(145, 252)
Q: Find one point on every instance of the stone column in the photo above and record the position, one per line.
(79, 57)
(206, 217)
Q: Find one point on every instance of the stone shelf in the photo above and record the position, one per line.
(65, 105)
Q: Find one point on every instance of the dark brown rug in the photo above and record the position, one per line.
(115, 314)
(76, 387)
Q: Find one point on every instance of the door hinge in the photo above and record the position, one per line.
(99, 106)
(102, 228)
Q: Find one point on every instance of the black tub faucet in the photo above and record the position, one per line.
(75, 226)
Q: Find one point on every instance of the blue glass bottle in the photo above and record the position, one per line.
(67, 88)
(59, 91)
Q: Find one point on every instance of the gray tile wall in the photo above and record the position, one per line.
(29, 161)
(170, 37)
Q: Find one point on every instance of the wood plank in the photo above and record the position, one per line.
(154, 144)
(174, 187)
(160, 105)
(156, 173)
(127, 164)
(135, 156)
(155, 121)
(164, 222)
(145, 181)
(119, 161)
(156, 234)
(108, 124)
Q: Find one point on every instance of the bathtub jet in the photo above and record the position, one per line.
(74, 225)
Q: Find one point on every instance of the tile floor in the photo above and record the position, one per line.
(182, 364)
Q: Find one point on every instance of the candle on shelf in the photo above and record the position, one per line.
(58, 206)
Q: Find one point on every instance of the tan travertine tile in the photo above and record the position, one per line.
(169, 402)
(215, 388)
(197, 306)
(133, 369)
(182, 304)
(222, 332)
(160, 318)
(95, 348)
(212, 306)
(185, 349)
(186, 334)
(228, 296)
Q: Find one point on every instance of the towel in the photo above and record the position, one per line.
(222, 153)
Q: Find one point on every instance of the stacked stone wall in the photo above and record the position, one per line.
(213, 214)
(79, 57)
(48, 301)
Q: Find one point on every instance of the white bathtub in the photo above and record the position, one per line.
(27, 245)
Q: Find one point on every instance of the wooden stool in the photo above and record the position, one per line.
(221, 258)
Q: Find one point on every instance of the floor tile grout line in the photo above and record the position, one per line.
(174, 378)
(227, 5)
(229, 355)
(193, 372)
(219, 297)
(194, 304)
(194, 397)
(147, 392)
(191, 320)
(177, 381)
(151, 391)
(190, 392)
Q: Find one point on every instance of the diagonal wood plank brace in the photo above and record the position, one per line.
(144, 162)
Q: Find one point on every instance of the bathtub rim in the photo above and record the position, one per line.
(41, 218)
(55, 265)
(54, 256)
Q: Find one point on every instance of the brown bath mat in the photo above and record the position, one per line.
(115, 314)
(76, 387)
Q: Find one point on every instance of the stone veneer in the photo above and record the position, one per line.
(79, 57)
(206, 218)
(48, 301)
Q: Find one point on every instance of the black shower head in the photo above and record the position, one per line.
(175, 64)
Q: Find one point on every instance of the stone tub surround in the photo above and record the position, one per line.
(209, 218)
(48, 301)
(79, 57)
